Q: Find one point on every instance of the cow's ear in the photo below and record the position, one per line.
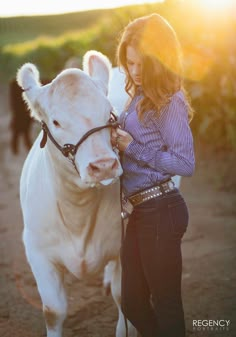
(98, 66)
(28, 79)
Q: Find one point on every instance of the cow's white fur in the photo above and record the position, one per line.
(71, 221)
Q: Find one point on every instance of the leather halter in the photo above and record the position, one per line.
(69, 150)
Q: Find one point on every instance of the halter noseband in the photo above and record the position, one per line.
(69, 150)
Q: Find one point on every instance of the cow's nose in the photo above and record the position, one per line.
(103, 168)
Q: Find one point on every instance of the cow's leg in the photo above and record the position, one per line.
(51, 289)
(113, 275)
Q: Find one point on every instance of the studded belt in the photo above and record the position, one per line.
(152, 192)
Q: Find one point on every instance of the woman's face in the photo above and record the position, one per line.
(133, 61)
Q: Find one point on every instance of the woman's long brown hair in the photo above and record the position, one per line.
(157, 44)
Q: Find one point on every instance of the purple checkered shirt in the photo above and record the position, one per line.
(162, 145)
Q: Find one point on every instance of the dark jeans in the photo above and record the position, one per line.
(152, 266)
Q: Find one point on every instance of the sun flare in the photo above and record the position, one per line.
(216, 5)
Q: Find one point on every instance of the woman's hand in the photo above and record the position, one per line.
(120, 139)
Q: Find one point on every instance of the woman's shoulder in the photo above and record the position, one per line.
(178, 103)
(178, 96)
(177, 106)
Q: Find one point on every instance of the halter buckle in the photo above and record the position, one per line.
(68, 150)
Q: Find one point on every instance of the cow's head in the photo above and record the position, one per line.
(71, 105)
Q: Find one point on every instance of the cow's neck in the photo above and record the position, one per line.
(72, 199)
(81, 210)
(76, 196)
(67, 188)
(85, 214)
(64, 176)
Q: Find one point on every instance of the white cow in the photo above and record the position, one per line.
(69, 188)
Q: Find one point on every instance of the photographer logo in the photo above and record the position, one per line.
(211, 325)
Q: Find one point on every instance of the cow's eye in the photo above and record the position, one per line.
(56, 123)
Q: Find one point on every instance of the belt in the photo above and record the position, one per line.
(152, 192)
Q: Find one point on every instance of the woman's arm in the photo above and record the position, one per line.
(178, 157)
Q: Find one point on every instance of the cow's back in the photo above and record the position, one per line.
(117, 94)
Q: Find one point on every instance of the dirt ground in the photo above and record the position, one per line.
(209, 258)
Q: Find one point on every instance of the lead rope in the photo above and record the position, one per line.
(122, 239)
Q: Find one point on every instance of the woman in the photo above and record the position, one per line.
(155, 143)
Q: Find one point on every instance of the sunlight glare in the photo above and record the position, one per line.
(216, 5)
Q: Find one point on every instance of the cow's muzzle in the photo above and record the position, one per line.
(103, 169)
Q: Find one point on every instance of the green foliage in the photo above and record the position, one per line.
(21, 29)
(214, 99)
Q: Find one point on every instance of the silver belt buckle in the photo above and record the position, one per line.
(168, 186)
(165, 187)
(138, 198)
